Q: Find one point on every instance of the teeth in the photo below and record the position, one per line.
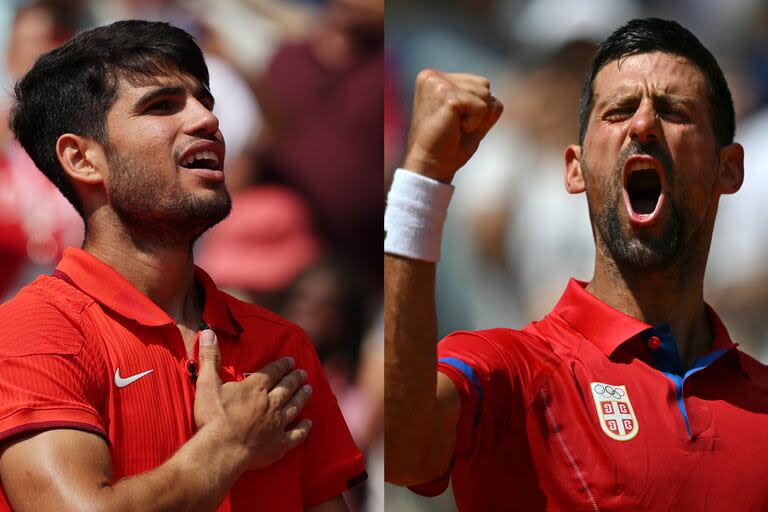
(640, 165)
(201, 155)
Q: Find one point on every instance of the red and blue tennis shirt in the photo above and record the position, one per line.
(590, 409)
(86, 350)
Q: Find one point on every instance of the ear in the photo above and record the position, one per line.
(574, 178)
(82, 158)
(730, 174)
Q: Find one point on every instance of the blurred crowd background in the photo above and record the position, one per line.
(514, 235)
(299, 94)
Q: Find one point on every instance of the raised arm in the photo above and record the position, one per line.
(244, 425)
(451, 114)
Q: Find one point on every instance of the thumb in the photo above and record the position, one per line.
(495, 109)
(210, 359)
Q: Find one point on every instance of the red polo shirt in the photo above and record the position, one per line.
(85, 349)
(590, 409)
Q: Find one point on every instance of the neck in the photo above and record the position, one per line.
(670, 295)
(164, 273)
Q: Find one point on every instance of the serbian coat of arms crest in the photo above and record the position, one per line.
(614, 410)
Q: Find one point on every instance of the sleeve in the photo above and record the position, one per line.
(331, 463)
(48, 377)
(474, 365)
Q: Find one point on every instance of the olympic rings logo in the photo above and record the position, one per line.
(608, 391)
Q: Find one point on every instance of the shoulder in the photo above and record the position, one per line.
(43, 318)
(754, 369)
(750, 392)
(503, 346)
(515, 359)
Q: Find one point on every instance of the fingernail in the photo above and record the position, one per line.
(207, 338)
(303, 374)
(307, 389)
(291, 362)
(309, 423)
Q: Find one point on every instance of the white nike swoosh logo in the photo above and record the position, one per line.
(122, 382)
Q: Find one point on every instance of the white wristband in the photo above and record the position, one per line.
(416, 210)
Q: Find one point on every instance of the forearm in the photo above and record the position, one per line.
(410, 333)
(196, 477)
(452, 112)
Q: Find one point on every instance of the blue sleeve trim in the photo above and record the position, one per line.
(467, 370)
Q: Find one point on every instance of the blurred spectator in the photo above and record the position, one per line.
(13, 248)
(322, 99)
(328, 302)
(545, 26)
(38, 222)
(370, 381)
(394, 122)
(37, 28)
(262, 247)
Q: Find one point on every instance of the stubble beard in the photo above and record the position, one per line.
(626, 248)
(159, 215)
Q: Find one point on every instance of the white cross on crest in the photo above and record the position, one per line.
(617, 418)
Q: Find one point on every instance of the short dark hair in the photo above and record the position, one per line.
(651, 35)
(71, 88)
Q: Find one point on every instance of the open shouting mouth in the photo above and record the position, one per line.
(643, 179)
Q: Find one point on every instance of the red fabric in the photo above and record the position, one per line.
(69, 339)
(530, 438)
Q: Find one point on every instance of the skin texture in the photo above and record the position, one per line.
(143, 212)
(653, 104)
(156, 200)
(451, 114)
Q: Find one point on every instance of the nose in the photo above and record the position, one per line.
(201, 120)
(644, 124)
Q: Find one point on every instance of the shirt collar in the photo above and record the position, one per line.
(109, 288)
(216, 312)
(608, 328)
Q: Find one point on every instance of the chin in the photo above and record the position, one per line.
(638, 254)
(181, 221)
(215, 210)
(628, 249)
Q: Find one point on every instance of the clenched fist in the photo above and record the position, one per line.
(452, 112)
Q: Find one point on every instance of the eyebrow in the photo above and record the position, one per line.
(201, 93)
(672, 99)
(658, 98)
